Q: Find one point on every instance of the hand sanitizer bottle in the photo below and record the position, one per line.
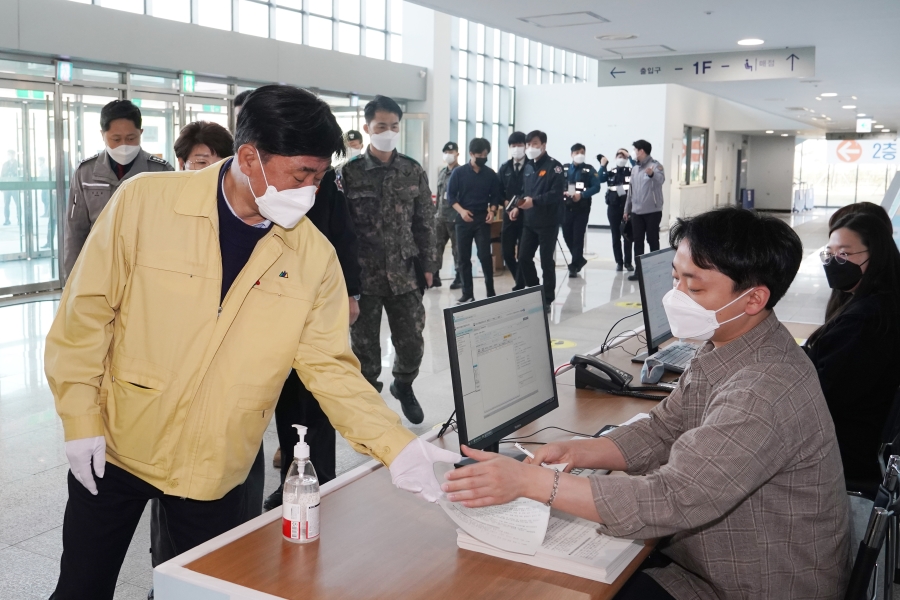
(300, 507)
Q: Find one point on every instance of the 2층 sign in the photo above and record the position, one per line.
(863, 152)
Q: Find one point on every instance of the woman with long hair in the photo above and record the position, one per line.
(852, 350)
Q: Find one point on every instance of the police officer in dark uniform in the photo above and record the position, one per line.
(543, 189)
(583, 183)
(618, 180)
(97, 178)
(511, 175)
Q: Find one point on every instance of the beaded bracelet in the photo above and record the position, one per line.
(555, 487)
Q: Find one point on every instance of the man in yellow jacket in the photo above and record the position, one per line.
(195, 294)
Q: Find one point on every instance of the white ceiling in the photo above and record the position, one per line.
(857, 45)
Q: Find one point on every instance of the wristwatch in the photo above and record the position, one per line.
(356, 297)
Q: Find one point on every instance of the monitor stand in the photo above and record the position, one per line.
(644, 355)
(511, 452)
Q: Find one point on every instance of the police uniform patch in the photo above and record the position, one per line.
(90, 158)
(157, 159)
(557, 170)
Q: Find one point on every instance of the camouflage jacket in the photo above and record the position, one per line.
(393, 216)
(444, 210)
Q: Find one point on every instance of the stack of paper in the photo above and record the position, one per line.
(528, 532)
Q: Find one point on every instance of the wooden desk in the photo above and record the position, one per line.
(379, 542)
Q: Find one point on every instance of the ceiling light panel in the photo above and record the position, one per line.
(751, 42)
(565, 19)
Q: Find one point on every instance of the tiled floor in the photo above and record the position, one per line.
(33, 464)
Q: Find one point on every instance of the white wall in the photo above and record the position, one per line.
(426, 43)
(771, 171)
(604, 119)
(61, 28)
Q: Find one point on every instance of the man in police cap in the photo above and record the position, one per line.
(354, 143)
(584, 182)
(618, 180)
(445, 219)
(97, 178)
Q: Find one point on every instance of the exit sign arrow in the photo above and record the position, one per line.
(792, 58)
(614, 72)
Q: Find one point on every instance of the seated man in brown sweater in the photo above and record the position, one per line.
(738, 470)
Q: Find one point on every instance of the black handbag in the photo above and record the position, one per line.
(627, 231)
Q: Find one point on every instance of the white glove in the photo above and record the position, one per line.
(80, 452)
(413, 469)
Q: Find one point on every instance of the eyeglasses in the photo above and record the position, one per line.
(840, 257)
(199, 163)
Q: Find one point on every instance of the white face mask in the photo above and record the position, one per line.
(385, 141)
(621, 162)
(578, 159)
(123, 154)
(517, 152)
(689, 320)
(351, 152)
(449, 158)
(532, 152)
(287, 207)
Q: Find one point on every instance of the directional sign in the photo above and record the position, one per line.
(698, 68)
(864, 152)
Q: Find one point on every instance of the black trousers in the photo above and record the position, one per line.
(574, 227)
(615, 211)
(510, 238)
(646, 225)
(642, 587)
(297, 406)
(480, 232)
(98, 529)
(526, 275)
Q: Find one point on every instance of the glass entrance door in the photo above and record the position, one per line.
(29, 257)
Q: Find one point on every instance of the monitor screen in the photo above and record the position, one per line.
(655, 277)
(501, 365)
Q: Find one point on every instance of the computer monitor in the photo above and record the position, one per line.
(501, 366)
(654, 273)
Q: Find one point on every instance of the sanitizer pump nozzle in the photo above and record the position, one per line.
(301, 448)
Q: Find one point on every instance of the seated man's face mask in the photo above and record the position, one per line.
(689, 320)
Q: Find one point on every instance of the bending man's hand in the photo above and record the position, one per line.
(80, 454)
(413, 469)
(354, 310)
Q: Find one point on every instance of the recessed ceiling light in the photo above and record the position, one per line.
(818, 98)
(769, 131)
(751, 42)
(827, 118)
(854, 97)
(616, 37)
(829, 94)
(849, 106)
(784, 135)
(860, 114)
(885, 131)
(878, 126)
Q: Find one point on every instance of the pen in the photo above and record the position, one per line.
(527, 453)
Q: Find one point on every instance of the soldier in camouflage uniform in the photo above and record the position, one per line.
(390, 204)
(445, 218)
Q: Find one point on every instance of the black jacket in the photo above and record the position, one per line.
(510, 181)
(330, 216)
(545, 182)
(859, 377)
